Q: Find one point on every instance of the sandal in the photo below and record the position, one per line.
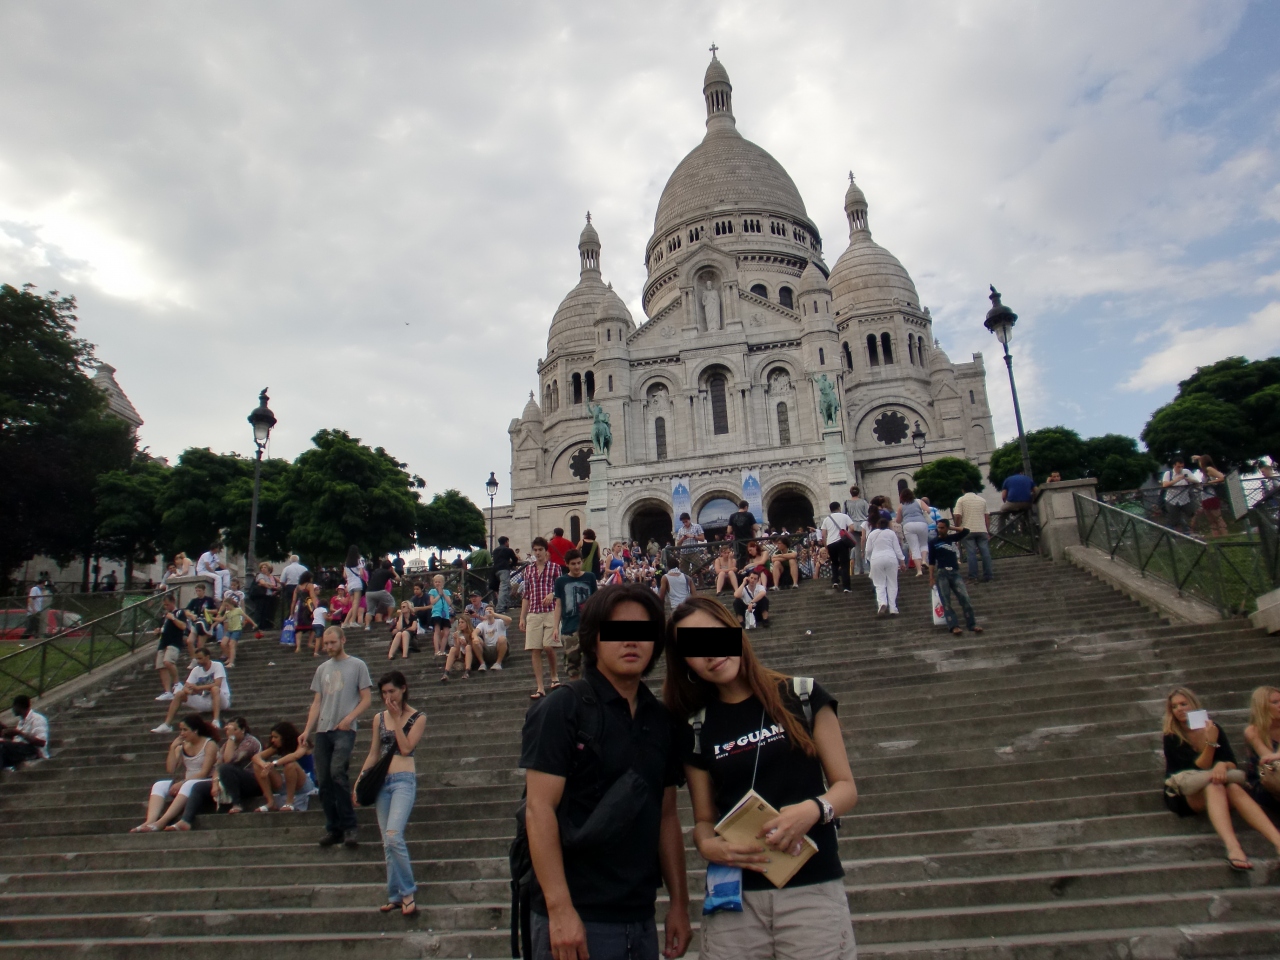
(554, 684)
(145, 828)
(1239, 864)
(957, 631)
(263, 809)
(977, 630)
(236, 810)
(445, 678)
(408, 909)
(286, 808)
(466, 674)
(389, 906)
(180, 827)
(537, 695)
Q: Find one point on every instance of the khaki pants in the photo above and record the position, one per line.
(804, 923)
(540, 631)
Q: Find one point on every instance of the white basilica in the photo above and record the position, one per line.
(719, 389)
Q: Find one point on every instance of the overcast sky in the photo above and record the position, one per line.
(373, 208)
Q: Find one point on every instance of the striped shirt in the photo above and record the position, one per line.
(539, 587)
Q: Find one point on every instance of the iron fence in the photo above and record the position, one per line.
(36, 666)
(1228, 574)
(1013, 533)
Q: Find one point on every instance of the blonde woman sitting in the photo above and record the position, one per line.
(1262, 737)
(1201, 776)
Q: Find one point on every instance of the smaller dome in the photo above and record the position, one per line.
(938, 359)
(589, 234)
(531, 409)
(612, 307)
(813, 280)
(854, 194)
(869, 275)
(716, 73)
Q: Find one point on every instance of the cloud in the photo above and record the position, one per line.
(1187, 349)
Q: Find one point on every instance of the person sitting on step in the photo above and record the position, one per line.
(190, 761)
(285, 766)
(752, 597)
(490, 640)
(460, 641)
(757, 562)
(726, 569)
(206, 689)
(29, 740)
(1262, 739)
(784, 553)
(403, 631)
(1201, 776)
(237, 752)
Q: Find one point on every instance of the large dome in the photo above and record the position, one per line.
(868, 275)
(573, 326)
(723, 172)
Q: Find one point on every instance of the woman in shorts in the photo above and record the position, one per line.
(460, 643)
(353, 572)
(441, 614)
(192, 756)
(403, 631)
(285, 766)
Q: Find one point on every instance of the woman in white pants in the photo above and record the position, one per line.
(884, 552)
(915, 527)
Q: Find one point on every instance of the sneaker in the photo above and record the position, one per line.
(835, 586)
(847, 590)
(164, 697)
(496, 666)
(330, 839)
(163, 728)
(351, 839)
(483, 667)
(795, 586)
(893, 612)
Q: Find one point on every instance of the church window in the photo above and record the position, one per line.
(660, 437)
(848, 356)
(576, 381)
(555, 394)
(815, 306)
(822, 358)
(608, 333)
(911, 348)
(611, 383)
(920, 349)
(719, 405)
(886, 348)
(784, 297)
(784, 426)
(873, 354)
(760, 290)
(971, 400)
(575, 529)
(591, 385)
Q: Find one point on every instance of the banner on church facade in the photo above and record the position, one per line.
(752, 494)
(681, 501)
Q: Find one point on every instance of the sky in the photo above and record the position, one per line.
(373, 209)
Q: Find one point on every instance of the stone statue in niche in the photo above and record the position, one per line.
(601, 434)
(830, 405)
(711, 306)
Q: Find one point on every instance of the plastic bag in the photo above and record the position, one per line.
(749, 620)
(287, 632)
(724, 889)
(939, 612)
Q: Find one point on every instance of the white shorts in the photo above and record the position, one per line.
(202, 701)
(161, 787)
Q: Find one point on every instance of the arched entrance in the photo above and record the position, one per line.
(790, 509)
(651, 521)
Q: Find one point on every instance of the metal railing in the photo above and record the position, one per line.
(37, 666)
(1013, 533)
(1227, 574)
(1217, 510)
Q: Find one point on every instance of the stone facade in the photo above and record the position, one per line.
(743, 320)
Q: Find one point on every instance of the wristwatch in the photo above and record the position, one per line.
(828, 812)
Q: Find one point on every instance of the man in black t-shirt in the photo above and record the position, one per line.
(171, 630)
(378, 600)
(744, 527)
(504, 561)
(599, 898)
(944, 573)
(197, 624)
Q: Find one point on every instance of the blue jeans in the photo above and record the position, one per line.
(949, 582)
(979, 542)
(332, 759)
(605, 941)
(504, 591)
(395, 803)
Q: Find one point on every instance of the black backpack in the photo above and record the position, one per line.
(519, 858)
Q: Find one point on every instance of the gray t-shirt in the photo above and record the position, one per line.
(857, 510)
(339, 683)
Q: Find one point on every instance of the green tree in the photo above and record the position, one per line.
(1051, 448)
(127, 506)
(56, 433)
(194, 503)
(451, 522)
(1116, 462)
(1227, 410)
(272, 542)
(343, 492)
(945, 480)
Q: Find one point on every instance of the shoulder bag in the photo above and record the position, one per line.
(370, 782)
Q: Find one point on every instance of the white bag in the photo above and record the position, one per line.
(939, 612)
(749, 620)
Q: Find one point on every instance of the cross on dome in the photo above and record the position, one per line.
(713, 49)
(589, 212)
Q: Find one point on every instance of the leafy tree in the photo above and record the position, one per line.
(342, 492)
(127, 506)
(945, 480)
(1227, 409)
(1116, 462)
(451, 522)
(272, 542)
(1051, 448)
(56, 433)
(194, 503)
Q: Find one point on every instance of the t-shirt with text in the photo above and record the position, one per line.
(203, 676)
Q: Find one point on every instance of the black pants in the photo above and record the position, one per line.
(263, 608)
(14, 752)
(239, 782)
(838, 552)
(740, 608)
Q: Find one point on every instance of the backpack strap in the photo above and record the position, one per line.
(696, 721)
(803, 687)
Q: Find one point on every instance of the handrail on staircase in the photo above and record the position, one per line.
(1228, 574)
(36, 668)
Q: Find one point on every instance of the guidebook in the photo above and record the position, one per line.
(742, 825)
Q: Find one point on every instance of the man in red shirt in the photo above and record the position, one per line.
(537, 614)
(559, 546)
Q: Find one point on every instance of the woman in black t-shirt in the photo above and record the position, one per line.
(753, 713)
(1208, 749)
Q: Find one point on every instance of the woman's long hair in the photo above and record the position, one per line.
(685, 693)
(202, 727)
(288, 734)
(353, 556)
(753, 549)
(1171, 724)
(1260, 712)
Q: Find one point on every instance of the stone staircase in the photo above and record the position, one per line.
(1009, 798)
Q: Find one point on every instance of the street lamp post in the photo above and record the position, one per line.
(918, 438)
(1000, 321)
(262, 420)
(491, 488)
